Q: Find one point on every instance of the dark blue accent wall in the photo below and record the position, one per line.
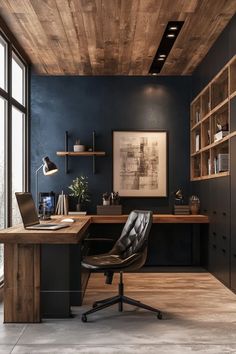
(83, 104)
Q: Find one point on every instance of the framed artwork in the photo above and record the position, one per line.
(140, 163)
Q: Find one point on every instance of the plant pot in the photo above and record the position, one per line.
(106, 202)
(79, 148)
(78, 207)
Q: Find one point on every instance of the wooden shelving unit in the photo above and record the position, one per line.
(210, 125)
(92, 154)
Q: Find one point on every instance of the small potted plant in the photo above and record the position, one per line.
(79, 190)
(78, 147)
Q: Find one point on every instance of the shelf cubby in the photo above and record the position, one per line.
(196, 112)
(206, 163)
(196, 166)
(219, 88)
(206, 133)
(196, 140)
(205, 103)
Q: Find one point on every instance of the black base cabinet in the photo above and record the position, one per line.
(233, 213)
(214, 196)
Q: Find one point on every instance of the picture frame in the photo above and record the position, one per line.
(140, 160)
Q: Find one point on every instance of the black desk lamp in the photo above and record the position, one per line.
(49, 168)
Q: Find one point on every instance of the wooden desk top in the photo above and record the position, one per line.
(157, 219)
(75, 232)
(71, 234)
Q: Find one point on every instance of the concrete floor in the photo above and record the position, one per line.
(199, 317)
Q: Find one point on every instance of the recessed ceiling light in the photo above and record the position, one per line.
(168, 39)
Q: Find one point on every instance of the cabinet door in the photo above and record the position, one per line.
(205, 197)
(233, 211)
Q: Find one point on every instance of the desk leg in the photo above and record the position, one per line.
(21, 283)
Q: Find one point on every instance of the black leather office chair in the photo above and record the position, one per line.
(129, 253)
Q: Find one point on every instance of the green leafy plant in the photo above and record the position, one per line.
(79, 189)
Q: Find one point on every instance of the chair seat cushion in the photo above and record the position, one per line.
(109, 261)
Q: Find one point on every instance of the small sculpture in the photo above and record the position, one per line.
(179, 198)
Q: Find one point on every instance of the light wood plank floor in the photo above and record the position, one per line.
(199, 317)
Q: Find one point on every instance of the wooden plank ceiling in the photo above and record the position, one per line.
(113, 37)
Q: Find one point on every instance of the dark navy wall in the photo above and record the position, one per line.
(83, 104)
(221, 52)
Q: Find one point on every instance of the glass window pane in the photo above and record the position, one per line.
(2, 176)
(17, 160)
(18, 79)
(3, 64)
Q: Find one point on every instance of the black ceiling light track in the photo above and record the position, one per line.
(172, 31)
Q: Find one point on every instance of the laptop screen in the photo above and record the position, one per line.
(27, 209)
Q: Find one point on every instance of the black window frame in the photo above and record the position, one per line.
(14, 49)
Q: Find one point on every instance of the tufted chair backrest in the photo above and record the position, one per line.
(134, 235)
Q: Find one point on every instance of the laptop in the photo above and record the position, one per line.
(30, 216)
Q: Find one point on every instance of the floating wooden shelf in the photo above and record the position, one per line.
(66, 154)
(82, 153)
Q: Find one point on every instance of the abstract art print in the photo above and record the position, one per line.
(140, 163)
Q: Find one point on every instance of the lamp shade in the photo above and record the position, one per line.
(49, 167)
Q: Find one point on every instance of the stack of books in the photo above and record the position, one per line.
(62, 204)
(181, 209)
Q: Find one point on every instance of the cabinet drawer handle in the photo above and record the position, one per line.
(214, 212)
(223, 250)
(224, 213)
(214, 246)
(224, 237)
(214, 233)
(234, 255)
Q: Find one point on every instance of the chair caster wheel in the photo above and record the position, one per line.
(84, 318)
(159, 316)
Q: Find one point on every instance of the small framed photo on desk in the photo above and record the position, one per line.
(46, 203)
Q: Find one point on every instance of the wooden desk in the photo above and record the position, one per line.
(22, 258)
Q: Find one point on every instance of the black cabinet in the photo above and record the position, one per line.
(233, 212)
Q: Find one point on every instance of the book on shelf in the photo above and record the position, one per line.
(223, 162)
(220, 135)
(197, 142)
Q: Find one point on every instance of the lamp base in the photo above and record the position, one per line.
(44, 217)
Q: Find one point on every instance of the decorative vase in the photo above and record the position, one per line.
(194, 205)
(106, 202)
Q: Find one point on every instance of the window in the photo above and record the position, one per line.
(18, 85)
(17, 160)
(13, 137)
(2, 176)
(3, 64)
